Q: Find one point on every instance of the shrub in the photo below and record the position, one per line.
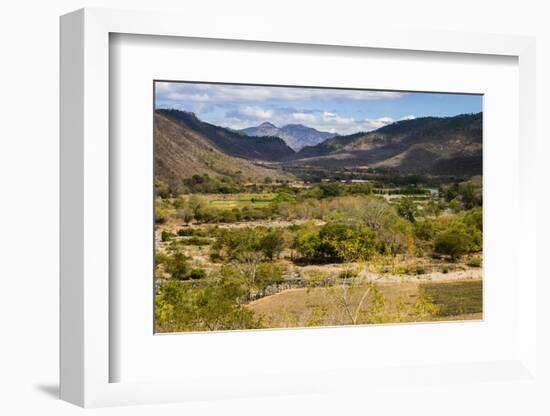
(236, 242)
(166, 236)
(228, 216)
(425, 230)
(192, 232)
(474, 262)
(420, 270)
(348, 274)
(195, 241)
(452, 242)
(336, 241)
(407, 208)
(197, 274)
(160, 258)
(272, 244)
(268, 274)
(177, 267)
(160, 215)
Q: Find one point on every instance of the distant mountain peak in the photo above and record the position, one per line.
(295, 136)
(296, 125)
(267, 124)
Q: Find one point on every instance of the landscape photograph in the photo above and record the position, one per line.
(295, 207)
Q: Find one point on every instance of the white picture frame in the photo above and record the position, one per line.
(86, 356)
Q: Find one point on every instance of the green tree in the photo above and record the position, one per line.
(454, 242)
(357, 245)
(177, 266)
(272, 244)
(331, 189)
(285, 197)
(407, 208)
(236, 242)
(307, 241)
(268, 274)
(468, 195)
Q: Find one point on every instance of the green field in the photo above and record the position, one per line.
(230, 201)
(455, 298)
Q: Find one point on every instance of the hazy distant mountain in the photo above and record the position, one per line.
(231, 142)
(295, 136)
(430, 145)
(181, 152)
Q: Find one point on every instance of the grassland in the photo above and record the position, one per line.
(455, 298)
(461, 300)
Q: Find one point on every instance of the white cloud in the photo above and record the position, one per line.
(409, 117)
(331, 121)
(376, 123)
(174, 91)
(304, 117)
(248, 105)
(256, 112)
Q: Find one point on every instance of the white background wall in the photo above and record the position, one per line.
(29, 181)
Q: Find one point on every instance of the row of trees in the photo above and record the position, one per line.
(374, 228)
(354, 232)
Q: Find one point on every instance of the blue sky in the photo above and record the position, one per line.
(333, 110)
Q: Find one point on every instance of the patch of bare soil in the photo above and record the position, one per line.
(463, 273)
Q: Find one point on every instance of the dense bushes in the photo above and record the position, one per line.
(215, 185)
(192, 232)
(336, 242)
(453, 236)
(197, 274)
(177, 266)
(463, 195)
(180, 306)
(343, 224)
(233, 244)
(356, 227)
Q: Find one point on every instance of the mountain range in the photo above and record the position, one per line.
(296, 136)
(182, 151)
(232, 142)
(429, 145)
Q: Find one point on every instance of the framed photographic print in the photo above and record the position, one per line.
(282, 207)
(281, 213)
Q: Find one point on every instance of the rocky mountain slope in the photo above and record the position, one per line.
(181, 152)
(231, 142)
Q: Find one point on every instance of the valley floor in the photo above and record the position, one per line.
(456, 301)
(212, 273)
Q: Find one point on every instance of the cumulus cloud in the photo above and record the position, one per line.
(240, 106)
(304, 117)
(331, 121)
(257, 113)
(174, 91)
(376, 123)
